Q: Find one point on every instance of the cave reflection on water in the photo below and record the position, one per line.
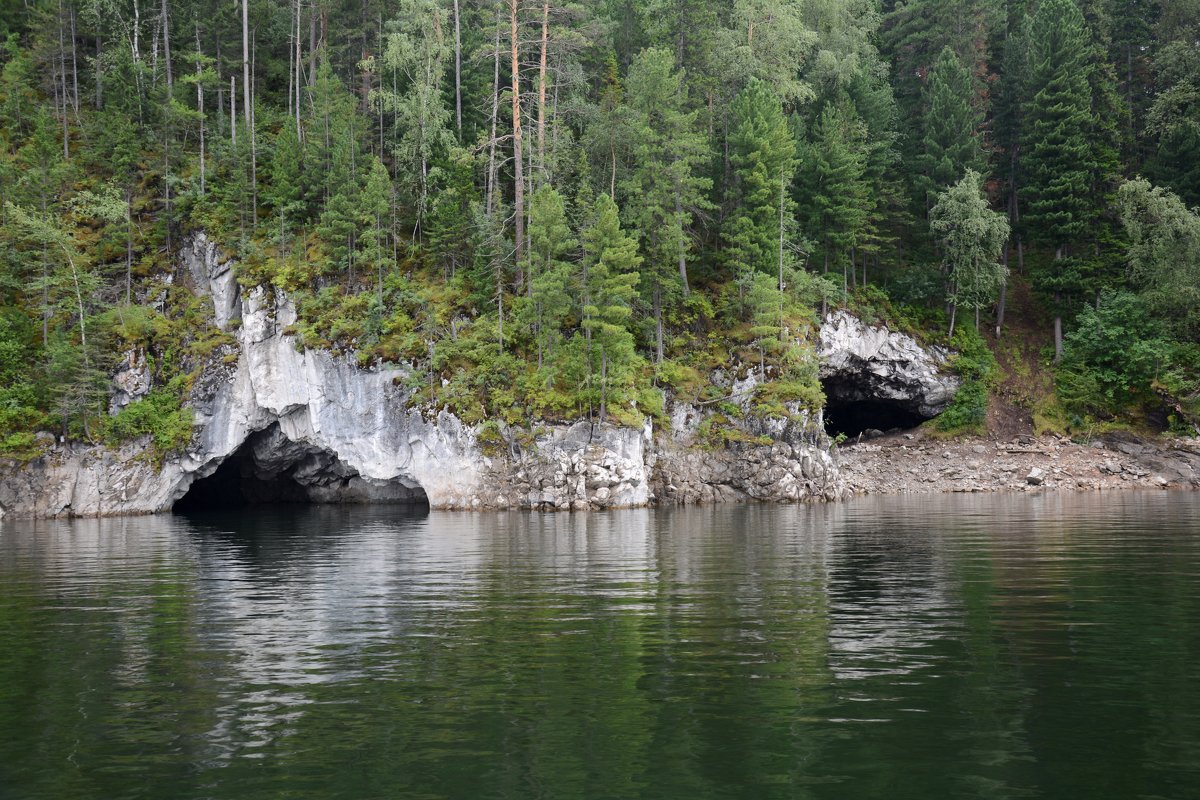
(694, 652)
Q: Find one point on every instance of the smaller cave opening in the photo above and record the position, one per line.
(269, 469)
(858, 416)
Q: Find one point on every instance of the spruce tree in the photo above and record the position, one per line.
(1059, 158)
(665, 189)
(951, 142)
(610, 288)
(375, 223)
(763, 153)
(835, 197)
(548, 272)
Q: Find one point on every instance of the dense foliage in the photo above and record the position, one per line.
(554, 210)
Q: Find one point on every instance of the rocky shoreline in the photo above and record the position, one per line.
(916, 463)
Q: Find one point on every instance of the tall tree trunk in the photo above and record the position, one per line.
(128, 246)
(60, 86)
(166, 30)
(253, 142)
(782, 189)
(1058, 343)
(233, 110)
(296, 78)
(489, 204)
(99, 101)
(200, 103)
(1000, 304)
(518, 159)
(292, 28)
(136, 48)
(658, 325)
(246, 60)
(541, 118)
(457, 72)
(74, 66)
(683, 273)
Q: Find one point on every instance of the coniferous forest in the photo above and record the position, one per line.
(556, 210)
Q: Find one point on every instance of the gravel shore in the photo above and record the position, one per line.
(913, 462)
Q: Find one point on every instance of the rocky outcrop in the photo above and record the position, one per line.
(290, 423)
(864, 363)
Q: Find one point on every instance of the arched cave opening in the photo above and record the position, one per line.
(271, 469)
(858, 416)
(855, 404)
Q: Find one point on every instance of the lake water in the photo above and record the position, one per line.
(996, 647)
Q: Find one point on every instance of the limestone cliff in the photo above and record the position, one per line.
(312, 425)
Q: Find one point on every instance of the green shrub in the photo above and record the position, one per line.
(977, 367)
(1113, 357)
(159, 415)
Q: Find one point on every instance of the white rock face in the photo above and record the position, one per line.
(347, 434)
(862, 362)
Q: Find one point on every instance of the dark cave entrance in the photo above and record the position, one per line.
(857, 416)
(269, 469)
(853, 407)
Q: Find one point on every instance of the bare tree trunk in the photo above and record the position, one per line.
(246, 59)
(782, 189)
(135, 46)
(953, 314)
(1058, 342)
(518, 160)
(298, 59)
(233, 109)
(60, 86)
(457, 72)
(489, 204)
(541, 118)
(658, 326)
(128, 246)
(603, 384)
(200, 104)
(166, 29)
(683, 273)
(293, 26)
(74, 66)
(253, 143)
(1000, 304)
(99, 101)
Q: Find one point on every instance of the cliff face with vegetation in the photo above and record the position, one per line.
(605, 212)
(277, 421)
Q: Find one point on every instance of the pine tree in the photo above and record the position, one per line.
(1058, 156)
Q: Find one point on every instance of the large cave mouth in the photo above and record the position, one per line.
(859, 416)
(852, 411)
(270, 469)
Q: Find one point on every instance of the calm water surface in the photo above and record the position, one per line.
(1044, 646)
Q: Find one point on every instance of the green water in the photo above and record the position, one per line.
(1042, 646)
